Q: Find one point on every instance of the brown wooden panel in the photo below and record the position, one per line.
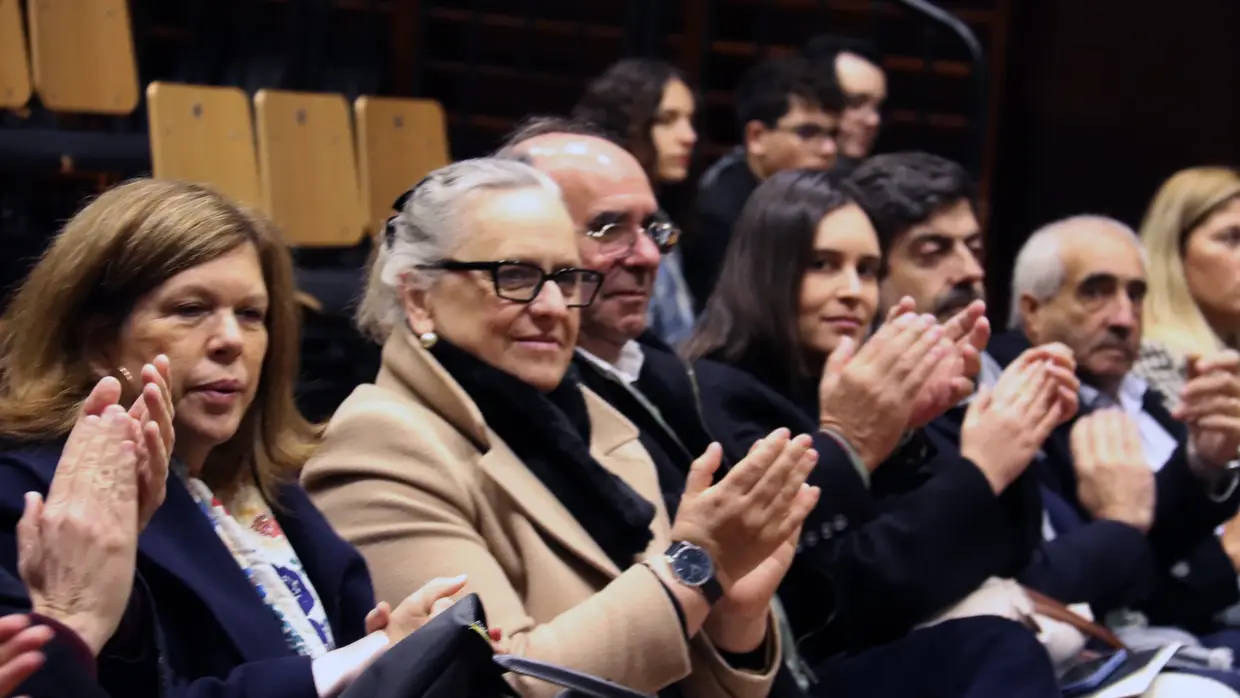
(204, 134)
(308, 169)
(14, 61)
(399, 141)
(82, 55)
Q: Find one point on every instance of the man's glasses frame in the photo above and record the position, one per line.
(618, 238)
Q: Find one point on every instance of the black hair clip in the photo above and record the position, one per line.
(389, 230)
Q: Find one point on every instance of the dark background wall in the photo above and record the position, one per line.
(1102, 101)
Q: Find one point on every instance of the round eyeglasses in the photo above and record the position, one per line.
(617, 237)
(521, 282)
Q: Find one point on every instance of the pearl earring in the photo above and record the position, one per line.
(428, 339)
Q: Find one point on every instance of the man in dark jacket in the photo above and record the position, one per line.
(789, 115)
(662, 396)
(1081, 281)
(924, 209)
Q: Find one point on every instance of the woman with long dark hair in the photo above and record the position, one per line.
(906, 531)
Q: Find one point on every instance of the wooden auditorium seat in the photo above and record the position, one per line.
(399, 141)
(14, 61)
(309, 181)
(308, 169)
(204, 134)
(82, 56)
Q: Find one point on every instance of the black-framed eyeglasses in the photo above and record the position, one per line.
(617, 236)
(521, 282)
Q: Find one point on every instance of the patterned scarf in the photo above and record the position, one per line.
(251, 533)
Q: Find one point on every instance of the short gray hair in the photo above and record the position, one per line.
(1040, 269)
(428, 228)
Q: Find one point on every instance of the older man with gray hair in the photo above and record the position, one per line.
(1080, 281)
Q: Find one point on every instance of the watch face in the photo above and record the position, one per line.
(692, 566)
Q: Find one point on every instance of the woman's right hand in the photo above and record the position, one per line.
(433, 598)
(336, 670)
(77, 550)
(745, 517)
(867, 393)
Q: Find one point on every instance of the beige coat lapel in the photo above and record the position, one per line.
(411, 369)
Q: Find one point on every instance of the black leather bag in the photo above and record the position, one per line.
(451, 657)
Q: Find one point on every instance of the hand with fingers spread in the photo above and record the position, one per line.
(952, 381)
(87, 529)
(1210, 405)
(20, 645)
(744, 518)
(867, 395)
(747, 523)
(1113, 480)
(1004, 427)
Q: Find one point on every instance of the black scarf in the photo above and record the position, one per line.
(550, 433)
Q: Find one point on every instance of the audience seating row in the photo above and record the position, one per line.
(99, 76)
(294, 154)
(325, 188)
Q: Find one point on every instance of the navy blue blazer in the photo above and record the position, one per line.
(1106, 564)
(214, 636)
(925, 533)
(1196, 578)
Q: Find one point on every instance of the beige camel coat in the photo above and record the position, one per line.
(411, 475)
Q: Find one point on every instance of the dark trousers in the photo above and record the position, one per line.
(980, 657)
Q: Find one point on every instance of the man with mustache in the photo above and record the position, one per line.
(604, 186)
(925, 211)
(1096, 550)
(1081, 282)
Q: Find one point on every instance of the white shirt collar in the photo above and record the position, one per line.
(1131, 395)
(627, 368)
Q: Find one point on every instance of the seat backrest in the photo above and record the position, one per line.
(399, 141)
(307, 167)
(204, 134)
(14, 61)
(82, 55)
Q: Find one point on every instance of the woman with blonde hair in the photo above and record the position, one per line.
(1191, 234)
(240, 587)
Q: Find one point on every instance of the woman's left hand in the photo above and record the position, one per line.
(153, 416)
(738, 622)
(952, 381)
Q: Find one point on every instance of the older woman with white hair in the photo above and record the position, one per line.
(473, 452)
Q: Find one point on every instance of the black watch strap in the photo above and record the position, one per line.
(703, 579)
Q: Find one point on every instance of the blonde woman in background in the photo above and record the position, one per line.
(1192, 308)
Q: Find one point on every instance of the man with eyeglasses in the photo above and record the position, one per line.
(858, 68)
(789, 114)
(611, 201)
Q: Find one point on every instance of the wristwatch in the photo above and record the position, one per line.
(692, 566)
